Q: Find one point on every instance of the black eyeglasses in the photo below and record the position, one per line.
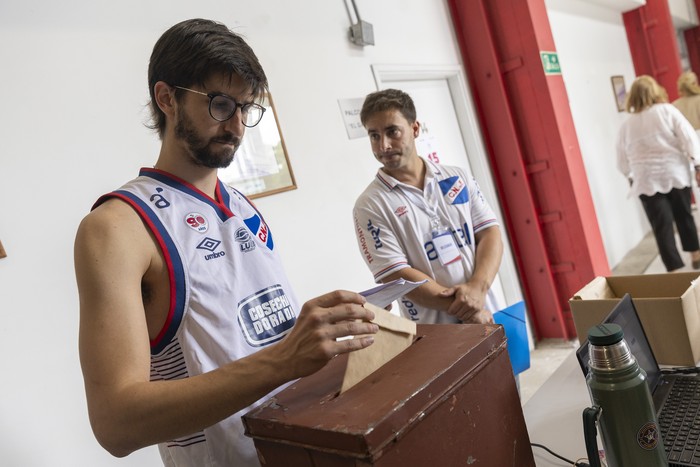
(223, 107)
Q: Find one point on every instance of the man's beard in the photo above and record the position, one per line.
(201, 150)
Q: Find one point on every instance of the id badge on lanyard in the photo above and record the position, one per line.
(444, 243)
(442, 238)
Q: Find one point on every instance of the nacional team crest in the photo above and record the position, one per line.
(197, 222)
(259, 229)
(454, 189)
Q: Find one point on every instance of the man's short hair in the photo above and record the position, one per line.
(194, 50)
(388, 99)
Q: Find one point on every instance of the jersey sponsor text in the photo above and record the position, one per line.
(266, 316)
(363, 242)
(374, 232)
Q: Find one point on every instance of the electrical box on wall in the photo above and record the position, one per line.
(362, 33)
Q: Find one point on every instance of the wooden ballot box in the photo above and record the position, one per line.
(449, 399)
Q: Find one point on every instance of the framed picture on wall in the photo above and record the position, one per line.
(261, 165)
(618, 85)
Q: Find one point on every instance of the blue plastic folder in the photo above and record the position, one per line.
(513, 321)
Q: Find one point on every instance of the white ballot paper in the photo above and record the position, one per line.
(384, 294)
(395, 335)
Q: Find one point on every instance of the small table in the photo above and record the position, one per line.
(553, 415)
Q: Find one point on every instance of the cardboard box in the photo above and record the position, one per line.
(667, 304)
(449, 399)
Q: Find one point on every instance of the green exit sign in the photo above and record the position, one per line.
(550, 62)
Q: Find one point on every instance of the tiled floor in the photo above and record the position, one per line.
(549, 353)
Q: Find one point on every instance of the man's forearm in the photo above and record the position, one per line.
(428, 294)
(489, 252)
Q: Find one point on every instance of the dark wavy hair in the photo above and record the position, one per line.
(388, 99)
(193, 51)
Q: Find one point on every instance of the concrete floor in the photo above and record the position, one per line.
(549, 353)
(544, 359)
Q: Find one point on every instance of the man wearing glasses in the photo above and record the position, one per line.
(187, 318)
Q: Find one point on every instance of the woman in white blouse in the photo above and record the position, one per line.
(657, 150)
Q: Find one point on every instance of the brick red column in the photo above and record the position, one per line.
(692, 41)
(535, 155)
(652, 41)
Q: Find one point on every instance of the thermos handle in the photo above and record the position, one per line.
(590, 417)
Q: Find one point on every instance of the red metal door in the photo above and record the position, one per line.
(652, 40)
(534, 152)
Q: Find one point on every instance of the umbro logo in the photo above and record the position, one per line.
(210, 244)
(400, 211)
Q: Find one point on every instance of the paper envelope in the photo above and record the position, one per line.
(395, 335)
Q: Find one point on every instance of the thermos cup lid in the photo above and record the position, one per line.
(605, 334)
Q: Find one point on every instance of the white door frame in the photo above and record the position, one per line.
(476, 153)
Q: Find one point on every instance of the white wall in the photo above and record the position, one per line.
(683, 13)
(592, 46)
(72, 93)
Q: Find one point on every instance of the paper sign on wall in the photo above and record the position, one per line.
(350, 110)
(427, 145)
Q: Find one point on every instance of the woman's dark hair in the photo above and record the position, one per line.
(194, 50)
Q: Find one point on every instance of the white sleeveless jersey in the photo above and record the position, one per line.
(229, 296)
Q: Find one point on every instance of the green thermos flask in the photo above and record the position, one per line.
(622, 404)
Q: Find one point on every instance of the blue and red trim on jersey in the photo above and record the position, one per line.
(176, 272)
(485, 224)
(220, 206)
(388, 269)
(256, 224)
(384, 181)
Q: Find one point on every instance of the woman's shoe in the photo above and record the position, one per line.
(695, 257)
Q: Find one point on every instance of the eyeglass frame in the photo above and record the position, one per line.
(237, 105)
